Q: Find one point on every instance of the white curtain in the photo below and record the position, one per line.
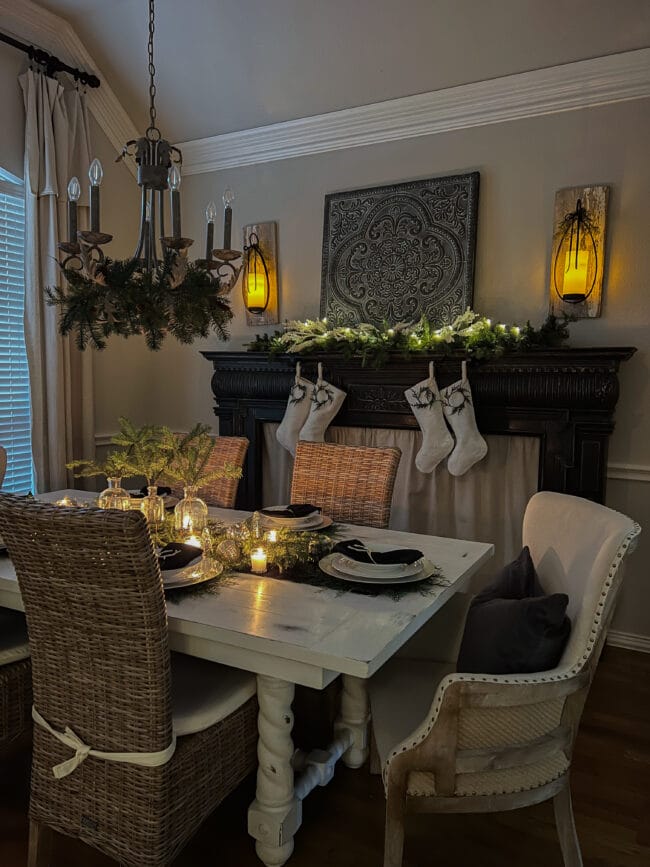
(57, 146)
(487, 504)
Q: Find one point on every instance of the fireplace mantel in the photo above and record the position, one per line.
(564, 396)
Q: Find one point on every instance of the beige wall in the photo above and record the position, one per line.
(522, 164)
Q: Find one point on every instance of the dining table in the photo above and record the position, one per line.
(289, 632)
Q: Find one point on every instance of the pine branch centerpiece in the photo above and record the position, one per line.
(471, 333)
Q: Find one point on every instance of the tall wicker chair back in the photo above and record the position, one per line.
(490, 743)
(349, 483)
(222, 492)
(96, 614)
(3, 464)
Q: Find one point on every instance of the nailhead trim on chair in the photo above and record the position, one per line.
(421, 733)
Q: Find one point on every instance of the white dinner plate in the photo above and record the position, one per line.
(427, 570)
(320, 522)
(382, 572)
(290, 523)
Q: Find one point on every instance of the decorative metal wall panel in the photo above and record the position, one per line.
(395, 253)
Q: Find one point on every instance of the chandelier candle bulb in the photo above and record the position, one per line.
(74, 192)
(95, 175)
(258, 561)
(228, 199)
(174, 181)
(210, 216)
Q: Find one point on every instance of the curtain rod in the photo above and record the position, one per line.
(51, 63)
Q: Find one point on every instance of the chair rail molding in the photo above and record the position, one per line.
(566, 87)
(33, 23)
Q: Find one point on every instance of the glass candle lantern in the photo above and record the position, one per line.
(258, 561)
(190, 513)
(153, 507)
(114, 496)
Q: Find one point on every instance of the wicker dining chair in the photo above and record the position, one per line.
(222, 492)
(349, 483)
(472, 743)
(15, 665)
(102, 677)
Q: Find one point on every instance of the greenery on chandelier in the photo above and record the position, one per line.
(113, 297)
(470, 333)
(160, 455)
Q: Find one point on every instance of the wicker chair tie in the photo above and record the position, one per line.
(82, 751)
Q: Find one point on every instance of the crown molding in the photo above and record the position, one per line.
(571, 86)
(32, 23)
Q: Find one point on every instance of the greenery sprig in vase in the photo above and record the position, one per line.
(114, 468)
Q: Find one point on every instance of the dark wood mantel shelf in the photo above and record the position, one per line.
(564, 396)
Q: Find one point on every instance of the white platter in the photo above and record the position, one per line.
(319, 523)
(382, 572)
(174, 579)
(427, 570)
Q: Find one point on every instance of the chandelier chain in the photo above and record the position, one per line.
(152, 72)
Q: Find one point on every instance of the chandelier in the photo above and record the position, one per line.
(158, 291)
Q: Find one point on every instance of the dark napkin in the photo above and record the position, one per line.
(176, 555)
(162, 491)
(295, 510)
(356, 550)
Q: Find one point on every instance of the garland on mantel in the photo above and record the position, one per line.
(471, 333)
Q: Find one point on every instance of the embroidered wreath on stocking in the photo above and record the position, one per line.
(423, 397)
(462, 398)
(297, 393)
(322, 396)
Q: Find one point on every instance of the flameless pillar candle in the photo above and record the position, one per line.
(256, 292)
(258, 561)
(194, 541)
(228, 199)
(95, 175)
(575, 275)
(210, 216)
(174, 181)
(74, 191)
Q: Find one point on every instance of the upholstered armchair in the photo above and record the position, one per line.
(454, 742)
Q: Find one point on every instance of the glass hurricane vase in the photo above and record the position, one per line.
(114, 497)
(153, 507)
(190, 513)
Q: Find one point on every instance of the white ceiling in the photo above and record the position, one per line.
(225, 65)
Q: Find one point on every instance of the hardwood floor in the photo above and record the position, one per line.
(343, 823)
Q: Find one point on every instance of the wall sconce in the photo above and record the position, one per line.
(260, 279)
(578, 257)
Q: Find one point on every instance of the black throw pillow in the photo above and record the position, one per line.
(512, 626)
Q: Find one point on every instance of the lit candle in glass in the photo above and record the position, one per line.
(194, 541)
(74, 192)
(228, 199)
(174, 181)
(576, 267)
(272, 535)
(95, 175)
(210, 216)
(65, 501)
(256, 292)
(258, 561)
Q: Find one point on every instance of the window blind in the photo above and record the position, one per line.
(15, 414)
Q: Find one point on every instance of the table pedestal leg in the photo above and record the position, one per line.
(355, 716)
(275, 814)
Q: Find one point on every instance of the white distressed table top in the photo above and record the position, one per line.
(299, 632)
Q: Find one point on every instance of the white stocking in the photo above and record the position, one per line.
(295, 415)
(326, 401)
(437, 442)
(470, 446)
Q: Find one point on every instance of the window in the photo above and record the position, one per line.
(15, 415)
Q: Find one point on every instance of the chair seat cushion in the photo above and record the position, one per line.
(400, 697)
(204, 693)
(513, 627)
(14, 643)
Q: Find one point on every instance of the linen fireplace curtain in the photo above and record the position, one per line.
(487, 504)
(57, 146)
